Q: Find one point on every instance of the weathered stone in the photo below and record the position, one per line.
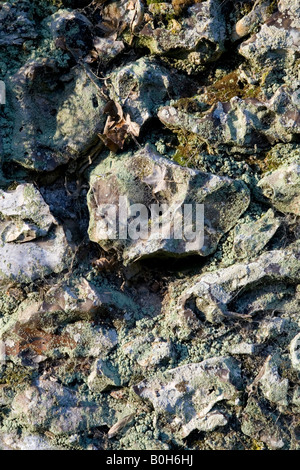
(148, 351)
(57, 117)
(146, 177)
(25, 215)
(245, 124)
(251, 238)
(102, 376)
(32, 245)
(213, 292)
(73, 30)
(282, 187)
(51, 406)
(188, 393)
(13, 441)
(260, 13)
(261, 425)
(274, 388)
(193, 40)
(277, 41)
(142, 86)
(245, 348)
(295, 352)
(16, 24)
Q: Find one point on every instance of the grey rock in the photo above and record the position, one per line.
(25, 215)
(102, 376)
(251, 238)
(57, 116)
(148, 351)
(13, 441)
(277, 39)
(74, 30)
(262, 426)
(273, 387)
(243, 124)
(195, 40)
(146, 176)
(142, 86)
(282, 186)
(42, 250)
(188, 393)
(214, 291)
(246, 25)
(16, 24)
(51, 406)
(295, 352)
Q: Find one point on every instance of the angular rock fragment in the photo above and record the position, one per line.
(16, 24)
(57, 117)
(250, 238)
(248, 124)
(295, 352)
(277, 41)
(102, 376)
(261, 425)
(193, 40)
(148, 351)
(51, 406)
(142, 86)
(73, 31)
(274, 388)
(32, 245)
(282, 188)
(188, 393)
(147, 178)
(41, 329)
(213, 293)
(259, 14)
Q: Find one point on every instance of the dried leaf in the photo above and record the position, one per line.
(133, 127)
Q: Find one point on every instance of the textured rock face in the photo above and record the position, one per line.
(195, 40)
(143, 86)
(241, 123)
(16, 26)
(146, 178)
(282, 187)
(32, 244)
(278, 39)
(188, 393)
(149, 339)
(52, 125)
(214, 292)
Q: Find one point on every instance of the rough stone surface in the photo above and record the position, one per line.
(281, 187)
(147, 176)
(52, 126)
(25, 219)
(188, 393)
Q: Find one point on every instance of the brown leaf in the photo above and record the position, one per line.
(114, 110)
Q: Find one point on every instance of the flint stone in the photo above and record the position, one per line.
(145, 178)
(214, 291)
(143, 86)
(16, 25)
(32, 245)
(188, 393)
(282, 188)
(251, 238)
(57, 117)
(194, 40)
(51, 406)
(245, 124)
